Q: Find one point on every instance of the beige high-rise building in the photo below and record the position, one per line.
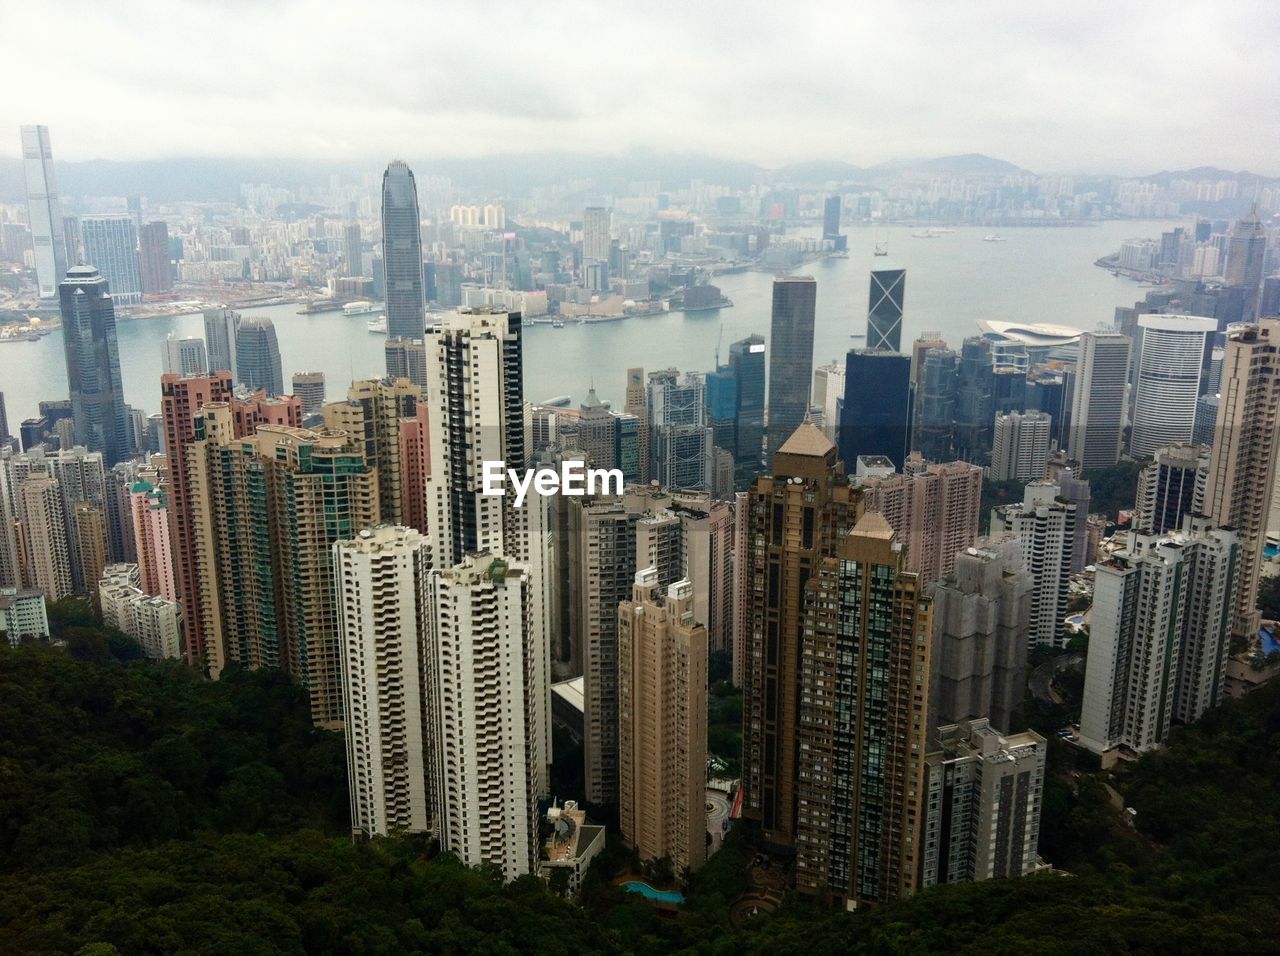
(371, 416)
(1242, 466)
(933, 508)
(267, 509)
(863, 721)
(45, 534)
(381, 587)
(90, 525)
(637, 404)
(662, 723)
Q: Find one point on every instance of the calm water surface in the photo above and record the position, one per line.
(1037, 275)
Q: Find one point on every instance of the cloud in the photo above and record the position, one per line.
(1084, 86)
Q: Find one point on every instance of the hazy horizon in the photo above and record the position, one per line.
(1092, 89)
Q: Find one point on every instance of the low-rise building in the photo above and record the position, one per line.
(22, 614)
(571, 847)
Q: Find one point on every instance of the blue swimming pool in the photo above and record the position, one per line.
(674, 897)
(1269, 551)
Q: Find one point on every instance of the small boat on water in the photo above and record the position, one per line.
(557, 324)
(882, 249)
(378, 326)
(993, 238)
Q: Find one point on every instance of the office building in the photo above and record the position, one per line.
(680, 438)
(981, 616)
(747, 362)
(220, 329)
(93, 363)
(595, 235)
(184, 356)
(44, 211)
(1246, 255)
(1242, 464)
(1045, 524)
(863, 721)
(1097, 407)
(933, 508)
(1170, 365)
(153, 253)
(983, 800)
(402, 253)
(975, 401)
(1171, 487)
(111, 245)
(22, 615)
(662, 723)
(831, 220)
(637, 398)
(794, 516)
(371, 419)
(381, 590)
(790, 356)
(406, 358)
(876, 416)
(180, 401)
(884, 309)
(258, 356)
(44, 528)
(353, 260)
(936, 380)
(1159, 634)
(1020, 448)
(308, 388)
(488, 712)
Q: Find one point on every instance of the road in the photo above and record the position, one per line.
(1041, 680)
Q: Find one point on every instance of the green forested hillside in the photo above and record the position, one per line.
(147, 810)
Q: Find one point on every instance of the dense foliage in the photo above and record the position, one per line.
(144, 810)
(1114, 489)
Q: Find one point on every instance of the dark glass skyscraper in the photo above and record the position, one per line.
(877, 407)
(402, 253)
(93, 363)
(936, 404)
(258, 356)
(884, 309)
(790, 356)
(746, 360)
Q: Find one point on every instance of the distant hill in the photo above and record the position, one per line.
(820, 171)
(965, 164)
(1244, 177)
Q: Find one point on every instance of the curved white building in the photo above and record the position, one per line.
(1171, 361)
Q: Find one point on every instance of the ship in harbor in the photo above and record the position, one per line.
(361, 307)
(378, 326)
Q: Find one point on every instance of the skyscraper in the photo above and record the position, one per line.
(876, 419)
(1097, 409)
(983, 799)
(45, 528)
(1020, 448)
(220, 328)
(184, 356)
(402, 253)
(1242, 466)
(790, 356)
(746, 360)
(111, 244)
(1246, 254)
(1045, 524)
(981, 614)
(180, 400)
(680, 438)
(354, 260)
(1171, 361)
(795, 515)
(406, 358)
(884, 309)
(371, 419)
(1171, 487)
(258, 356)
(1159, 634)
(831, 217)
(44, 211)
(595, 235)
(937, 381)
(308, 388)
(662, 723)
(488, 703)
(381, 589)
(153, 251)
(863, 721)
(93, 363)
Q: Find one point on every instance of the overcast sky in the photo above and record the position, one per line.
(1129, 88)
